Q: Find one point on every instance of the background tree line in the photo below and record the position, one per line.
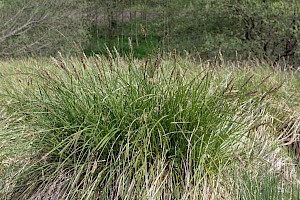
(267, 29)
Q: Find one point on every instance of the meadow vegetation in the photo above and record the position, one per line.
(159, 128)
(121, 116)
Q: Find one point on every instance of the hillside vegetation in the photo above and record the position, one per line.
(257, 29)
(162, 128)
(149, 99)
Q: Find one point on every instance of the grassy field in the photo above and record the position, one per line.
(163, 128)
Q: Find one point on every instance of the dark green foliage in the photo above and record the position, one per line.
(261, 29)
(268, 30)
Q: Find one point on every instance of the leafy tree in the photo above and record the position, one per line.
(270, 28)
(266, 29)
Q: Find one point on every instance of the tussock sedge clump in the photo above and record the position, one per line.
(121, 128)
